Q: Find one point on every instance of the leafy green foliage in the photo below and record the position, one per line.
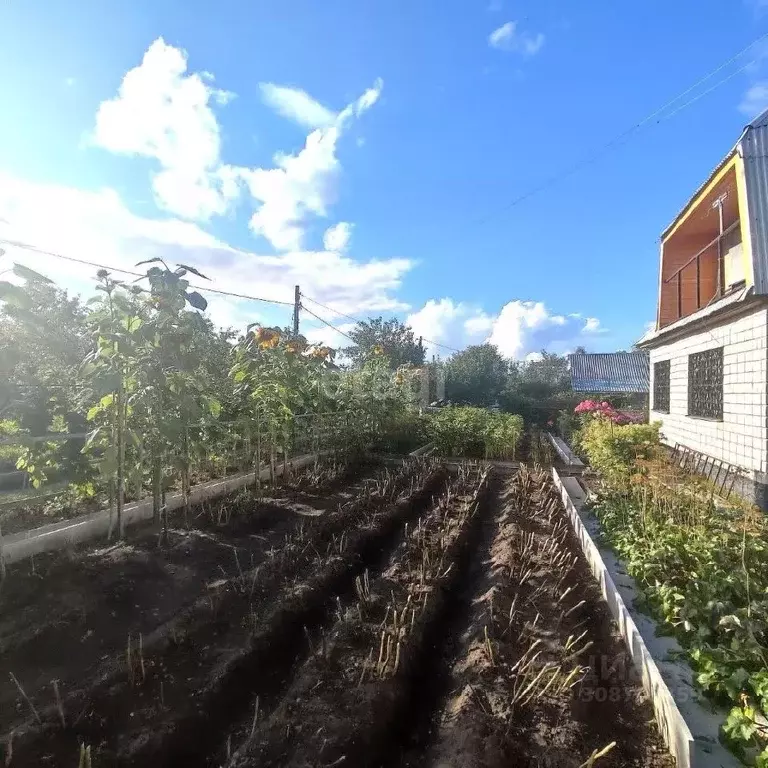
(474, 432)
(477, 376)
(614, 450)
(156, 387)
(391, 338)
(702, 571)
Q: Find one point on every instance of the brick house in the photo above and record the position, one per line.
(708, 350)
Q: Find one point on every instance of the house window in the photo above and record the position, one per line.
(705, 384)
(661, 386)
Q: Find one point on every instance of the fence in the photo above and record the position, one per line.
(220, 448)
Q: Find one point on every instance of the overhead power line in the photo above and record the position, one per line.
(355, 320)
(330, 325)
(622, 137)
(35, 249)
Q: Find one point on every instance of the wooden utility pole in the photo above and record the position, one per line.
(296, 307)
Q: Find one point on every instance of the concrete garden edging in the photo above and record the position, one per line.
(688, 725)
(66, 533)
(563, 450)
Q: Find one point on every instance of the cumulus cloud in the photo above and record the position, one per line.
(592, 325)
(508, 37)
(297, 105)
(337, 237)
(166, 114)
(303, 184)
(322, 334)
(97, 226)
(520, 329)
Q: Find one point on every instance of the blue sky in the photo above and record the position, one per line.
(370, 151)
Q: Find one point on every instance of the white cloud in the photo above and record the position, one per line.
(297, 105)
(337, 237)
(163, 113)
(508, 38)
(592, 325)
(755, 99)
(303, 184)
(519, 324)
(96, 226)
(328, 336)
(478, 324)
(520, 330)
(448, 322)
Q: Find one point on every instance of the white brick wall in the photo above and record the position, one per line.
(741, 438)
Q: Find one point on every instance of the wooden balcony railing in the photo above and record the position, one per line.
(676, 276)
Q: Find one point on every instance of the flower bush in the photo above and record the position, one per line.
(614, 449)
(605, 410)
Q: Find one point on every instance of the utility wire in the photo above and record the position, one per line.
(355, 320)
(624, 135)
(35, 249)
(43, 252)
(330, 325)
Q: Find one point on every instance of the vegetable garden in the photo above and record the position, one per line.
(699, 561)
(363, 610)
(354, 614)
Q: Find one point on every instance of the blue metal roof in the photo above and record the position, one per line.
(610, 372)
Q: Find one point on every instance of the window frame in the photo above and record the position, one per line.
(710, 363)
(664, 367)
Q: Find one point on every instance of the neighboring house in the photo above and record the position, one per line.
(708, 352)
(609, 372)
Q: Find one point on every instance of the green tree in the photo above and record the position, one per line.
(476, 376)
(539, 389)
(394, 339)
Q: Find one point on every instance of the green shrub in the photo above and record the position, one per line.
(474, 432)
(613, 450)
(702, 572)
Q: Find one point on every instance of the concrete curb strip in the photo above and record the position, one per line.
(703, 751)
(19, 546)
(567, 456)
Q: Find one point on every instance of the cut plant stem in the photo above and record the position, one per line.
(26, 698)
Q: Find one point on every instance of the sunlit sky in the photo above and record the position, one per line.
(380, 154)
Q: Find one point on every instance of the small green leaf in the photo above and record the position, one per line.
(194, 271)
(106, 401)
(196, 300)
(29, 274)
(150, 261)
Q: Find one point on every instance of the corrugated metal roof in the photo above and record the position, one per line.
(609, 372)
(755, 151)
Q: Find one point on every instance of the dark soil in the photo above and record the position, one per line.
(536, 587)
(384, 623)
(64, 615)
(194, 660)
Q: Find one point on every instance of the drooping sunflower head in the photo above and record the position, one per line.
(321, 353)
(267, 338)
(378, 350)
(295, 346)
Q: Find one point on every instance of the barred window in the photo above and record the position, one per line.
(661, 386)
(705, 384)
